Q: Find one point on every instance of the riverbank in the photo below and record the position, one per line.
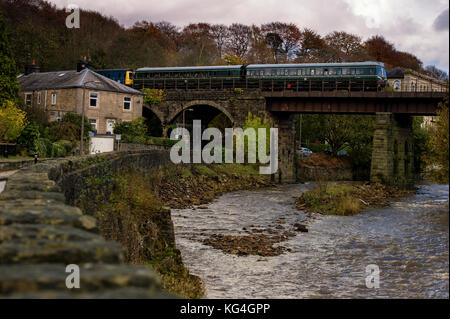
(137, 214)
(347, 199)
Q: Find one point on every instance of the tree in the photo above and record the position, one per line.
(9, 88)
(239, 40)
(197, 45)
(436, 73)
(311, 47)
(282, 38)
(437, 157)
(220, 34)
(12, 122)
(344, 47)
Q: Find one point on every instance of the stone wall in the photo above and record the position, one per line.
(40, 234)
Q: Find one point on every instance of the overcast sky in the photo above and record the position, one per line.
(417, 26)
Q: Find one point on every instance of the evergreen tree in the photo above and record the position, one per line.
(9, 88)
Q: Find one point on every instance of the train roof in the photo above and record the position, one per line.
(110, 70)
(191, 68)
(346, 64)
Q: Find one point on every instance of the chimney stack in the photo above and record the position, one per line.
(31, 67)
(82, 64)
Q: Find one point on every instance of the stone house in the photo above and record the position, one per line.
(406, 80)
(105, 101)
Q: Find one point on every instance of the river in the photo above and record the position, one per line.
(408, 241)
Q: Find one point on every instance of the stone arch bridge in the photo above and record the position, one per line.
(392, 159)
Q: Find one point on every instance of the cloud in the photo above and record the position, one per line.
(441, 22)
(410, 24)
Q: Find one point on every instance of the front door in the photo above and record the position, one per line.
(110, 126)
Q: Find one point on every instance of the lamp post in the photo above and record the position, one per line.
(184, 121)
(82, 116)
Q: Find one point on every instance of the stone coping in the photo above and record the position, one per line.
(40, 235)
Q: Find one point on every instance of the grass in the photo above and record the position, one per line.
(175, 277)
(331, 200)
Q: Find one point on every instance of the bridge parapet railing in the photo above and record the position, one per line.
(269, 85)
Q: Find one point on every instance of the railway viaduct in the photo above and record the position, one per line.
(392, 158)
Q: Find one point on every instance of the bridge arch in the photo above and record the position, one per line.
(154, 120)
(196, 103)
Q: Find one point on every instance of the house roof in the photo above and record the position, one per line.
(396, 73)
(399, 73)
(72, 79)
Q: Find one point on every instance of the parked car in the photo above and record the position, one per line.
(304, 152)
(342, 153)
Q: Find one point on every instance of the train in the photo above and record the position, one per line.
(306, 76)
(123, 76)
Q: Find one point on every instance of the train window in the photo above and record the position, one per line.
(352, 71)
(338, 71)
(267, 72)
(319, 71)
(261, 72)
(332, 72)
(292, 72)
(313, 72)
(379, 72)
(325, 72)
(345, 71)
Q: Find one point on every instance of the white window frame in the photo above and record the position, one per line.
(26, 98)
(53, 98)
(97, 100)
(95, 125)
(130, 103)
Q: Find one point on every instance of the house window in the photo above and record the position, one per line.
(53, 98)
(28, 99)
(93, 100)
(93, 123)
(127, 103)
(39, 98)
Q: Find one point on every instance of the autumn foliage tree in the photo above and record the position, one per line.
(437, 157)
(9, 87)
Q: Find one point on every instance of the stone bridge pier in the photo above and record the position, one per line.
(393, 153)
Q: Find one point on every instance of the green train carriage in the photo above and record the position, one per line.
(315, 76)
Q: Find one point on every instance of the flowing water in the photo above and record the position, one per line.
(408, 241)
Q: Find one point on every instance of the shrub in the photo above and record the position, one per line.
(134, 131)
(44, 147)
(58, 150)
(29, 138)
(64, 131)
(154, 96)
(68, 145)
